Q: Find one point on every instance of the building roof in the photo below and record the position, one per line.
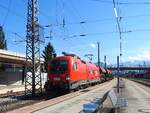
(13, 57)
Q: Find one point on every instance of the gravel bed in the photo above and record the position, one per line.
(14, 102)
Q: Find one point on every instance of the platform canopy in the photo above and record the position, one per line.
(13, 57)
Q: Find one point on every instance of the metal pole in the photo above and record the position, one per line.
(105, 67)
(98, 53)
(139, 68)
(118, 19)
(105, 62)
(33, 48)
(118, 69)
(33, 82)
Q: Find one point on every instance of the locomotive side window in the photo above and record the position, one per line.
(95, 72)
(91, 72)
(75, 66)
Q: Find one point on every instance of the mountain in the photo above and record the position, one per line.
(136, 63)
(129, 64)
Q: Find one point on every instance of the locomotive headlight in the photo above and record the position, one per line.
(67, 78)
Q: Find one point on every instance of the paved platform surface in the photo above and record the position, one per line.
(73, 105)
(138, 97)
(11, 88)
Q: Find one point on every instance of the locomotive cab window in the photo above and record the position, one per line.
(59, 66)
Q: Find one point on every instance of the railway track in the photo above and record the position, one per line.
(148, 80)
(145, 82)
(10, 93)
(13, 100)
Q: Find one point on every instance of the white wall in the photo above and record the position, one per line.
(13, 78)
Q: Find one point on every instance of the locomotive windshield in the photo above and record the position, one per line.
(59, 67)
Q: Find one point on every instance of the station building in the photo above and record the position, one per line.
(12, 68)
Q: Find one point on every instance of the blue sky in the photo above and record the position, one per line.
(135, 44)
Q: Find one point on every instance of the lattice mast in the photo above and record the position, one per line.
(33, 82)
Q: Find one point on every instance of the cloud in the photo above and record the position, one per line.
(144, 56)
(93, 45)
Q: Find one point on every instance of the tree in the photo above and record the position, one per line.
(48, 55)
(3, 43)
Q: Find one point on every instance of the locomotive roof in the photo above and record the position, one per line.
(68, 56)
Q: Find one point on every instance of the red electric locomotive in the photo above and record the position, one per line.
(70, 72)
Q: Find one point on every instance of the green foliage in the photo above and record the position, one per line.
(3, 43)
(48, 55)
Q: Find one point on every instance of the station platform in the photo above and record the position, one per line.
(11, 88)
(69, 103)
(138, 97)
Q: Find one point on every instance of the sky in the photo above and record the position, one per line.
(99, 26)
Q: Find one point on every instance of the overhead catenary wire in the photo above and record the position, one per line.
(73, 11)
(95, 21)
(84, 34)
(98, 20)
(118, 19)
(77, 15)
(92, 21)
(62, 26)
(72, 23)
(106, 33)
(21, 37)
(9, 10)
(12, 12)
(7, 13)
(123, 3)
(41, 12)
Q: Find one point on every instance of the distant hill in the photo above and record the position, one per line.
(136, 63)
